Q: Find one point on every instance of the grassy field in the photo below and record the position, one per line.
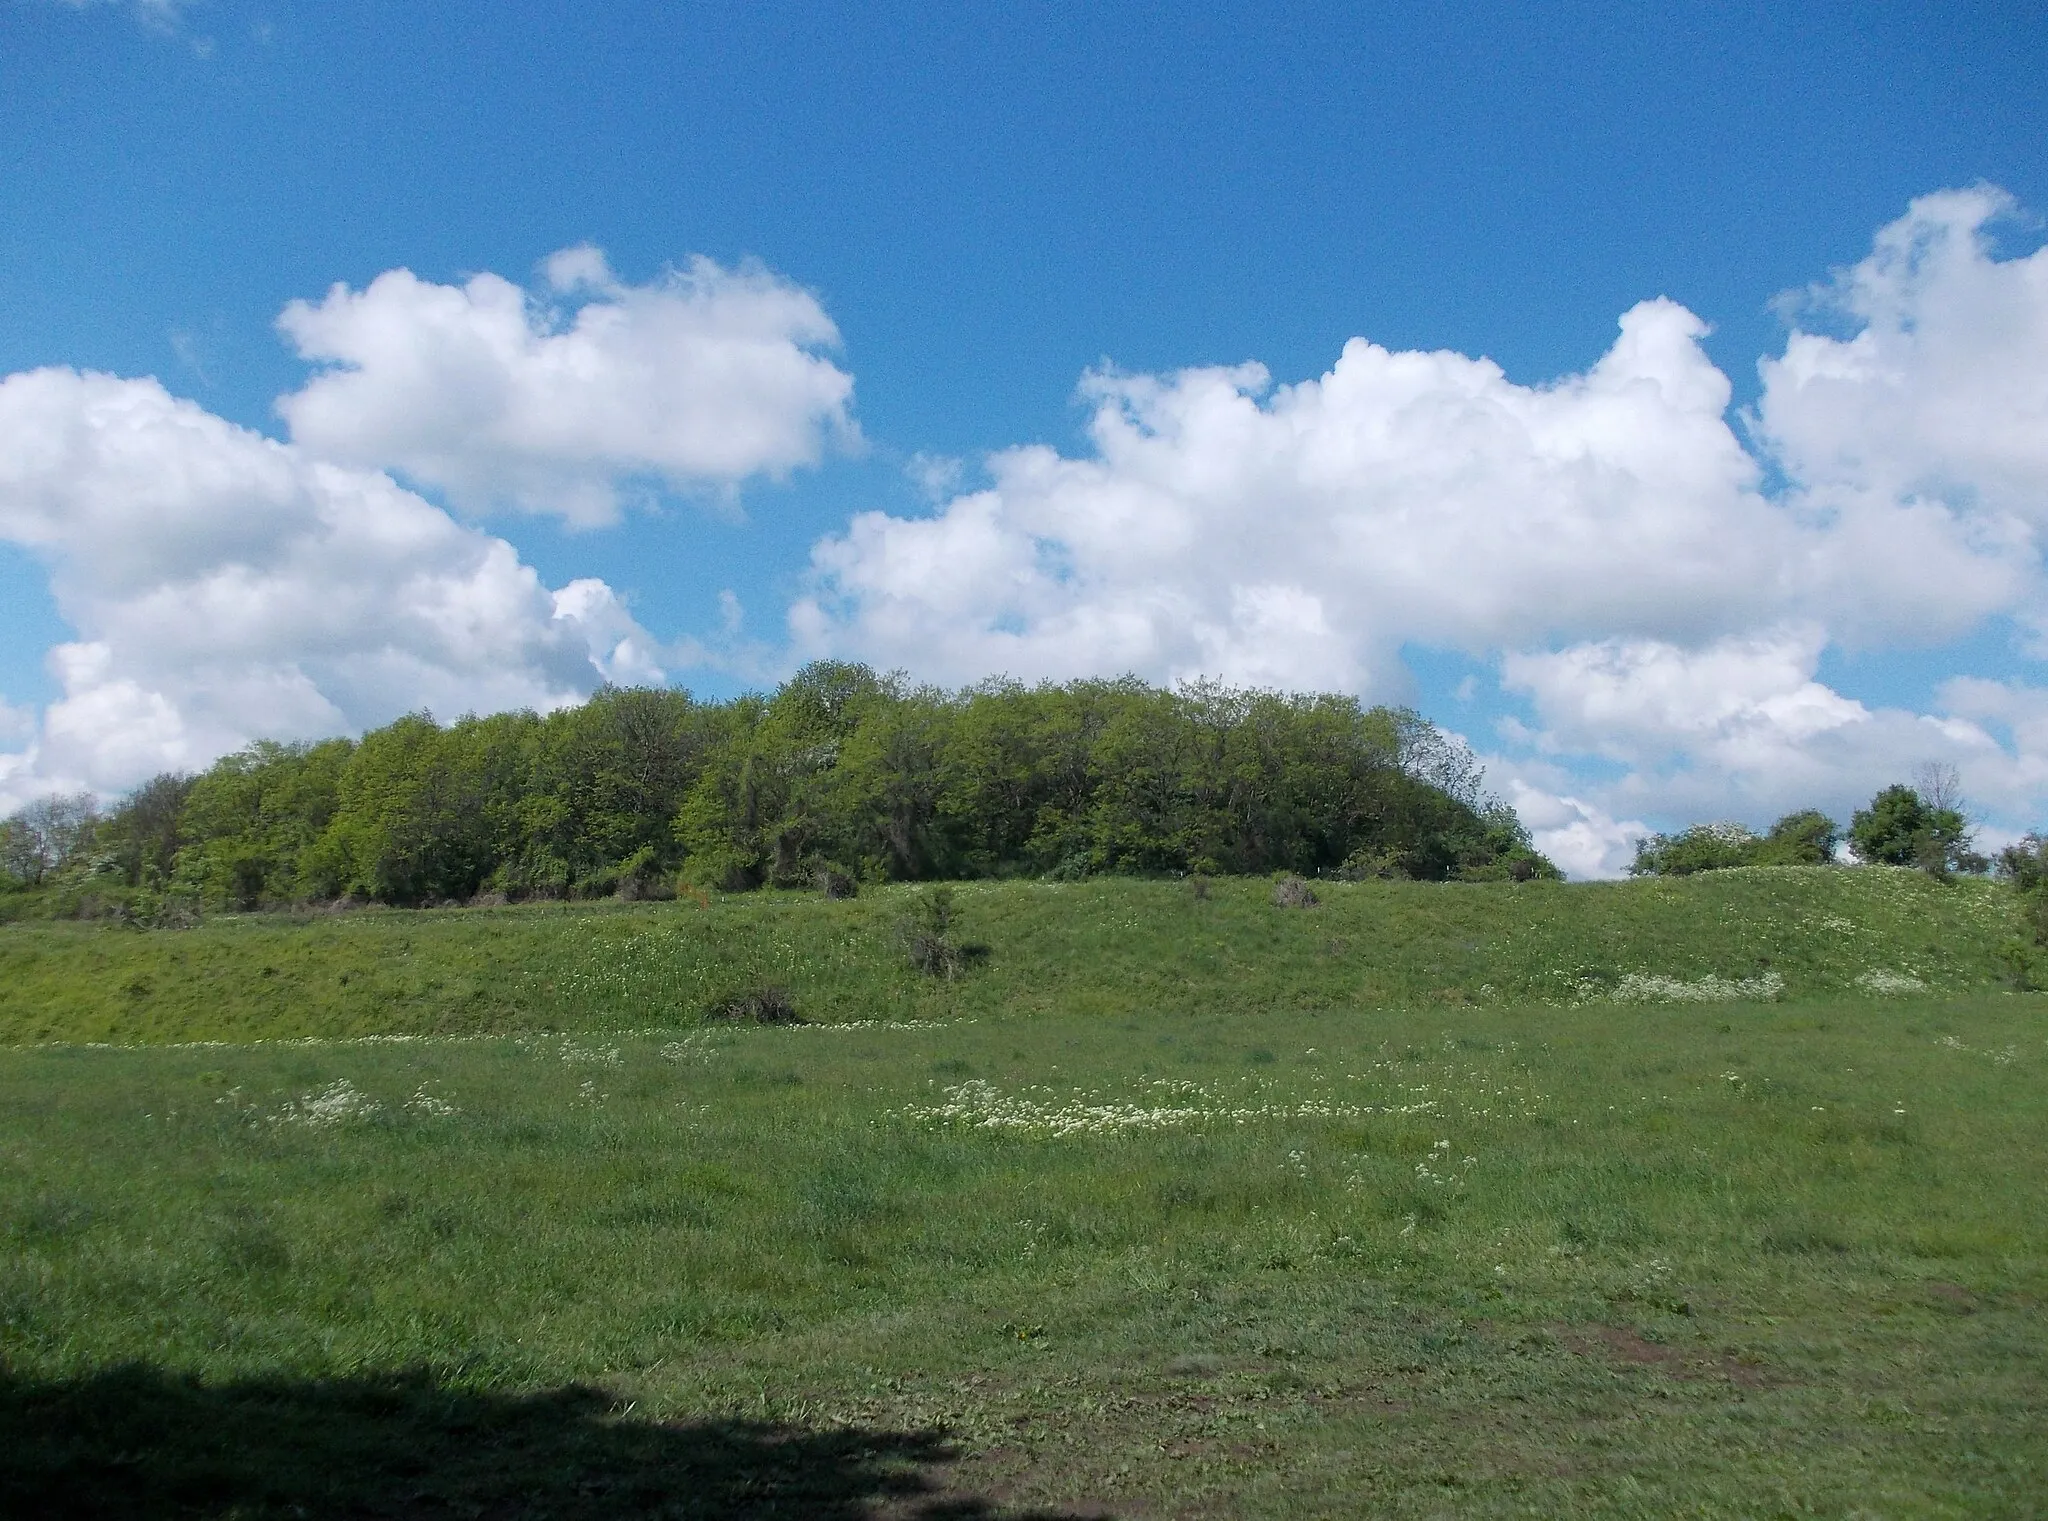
(1089, 948)
(1175, 1208)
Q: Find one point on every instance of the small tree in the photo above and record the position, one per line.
(1903, 828)
(2025, 866)
(47, 835)
(145, 831)
(1806, 838)
(1703, 847)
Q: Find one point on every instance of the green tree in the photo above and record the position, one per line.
(1701, 847)
(1901, 828)
(251, 820)
(146, 832)
(420, 812)
(1805, 838)
(48, 835)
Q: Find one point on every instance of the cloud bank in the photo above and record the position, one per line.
(225, 586)
(567, 400)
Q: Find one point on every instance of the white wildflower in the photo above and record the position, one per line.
(1886, 984)
(1639, 987)
(336, 1104)
(423, 1102)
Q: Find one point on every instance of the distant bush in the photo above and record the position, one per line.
(1291, 892)
(1901, 827)
(927, 933)
(1806, 838)
(769, 1005)
(834, 881)
(2025, 866)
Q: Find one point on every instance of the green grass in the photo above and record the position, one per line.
(1100, 948)
(1250, 1242)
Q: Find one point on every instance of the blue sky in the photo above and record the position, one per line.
(987, 204)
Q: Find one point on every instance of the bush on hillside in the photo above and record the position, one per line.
(1806, 838)
(927, 933)
(1291, 892)
(1903, 828)
(2025, 866)
(766, 1005)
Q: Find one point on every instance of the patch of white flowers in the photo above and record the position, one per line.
(883, 1024)
(2002, 1058)
(423, 1102)
(1889, 984)
(339, 1103)
(691, 1048)
(979, 1105)
(1438, 1168)
(1639, 987)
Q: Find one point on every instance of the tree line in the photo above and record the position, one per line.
(1921, 825)
(837, 777)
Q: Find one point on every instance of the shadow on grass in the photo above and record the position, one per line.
(136, 1442)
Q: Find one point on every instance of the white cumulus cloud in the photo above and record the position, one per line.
(1297, 535)
(1740, 728)
(571, 399)
(224, 587)
(1582, 838)
(1920, 440)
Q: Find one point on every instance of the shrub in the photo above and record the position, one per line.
(1291, 891)
(1902, 828)
(1703, 847)
(834, 881)
(1805, 838)
(2025, 866)
(765, 1005)
(928, 937)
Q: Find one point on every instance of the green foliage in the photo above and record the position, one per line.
(1703, 847)
(146, 832)
(1901, 828)
(839, 776)
(47, 836)
(250, 824)
(2024, 865)
(1806, 838)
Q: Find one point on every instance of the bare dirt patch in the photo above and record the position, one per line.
(1624, 1347)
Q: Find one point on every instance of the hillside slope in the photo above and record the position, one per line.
(1104, 947)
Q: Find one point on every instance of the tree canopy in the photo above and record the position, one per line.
(840, 771)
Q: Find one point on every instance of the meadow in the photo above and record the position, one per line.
(1701, 1198)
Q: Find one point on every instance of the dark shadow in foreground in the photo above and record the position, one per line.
(136, 1442)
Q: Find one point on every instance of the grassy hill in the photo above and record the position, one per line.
(1101, 947)
(1171, 1206)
